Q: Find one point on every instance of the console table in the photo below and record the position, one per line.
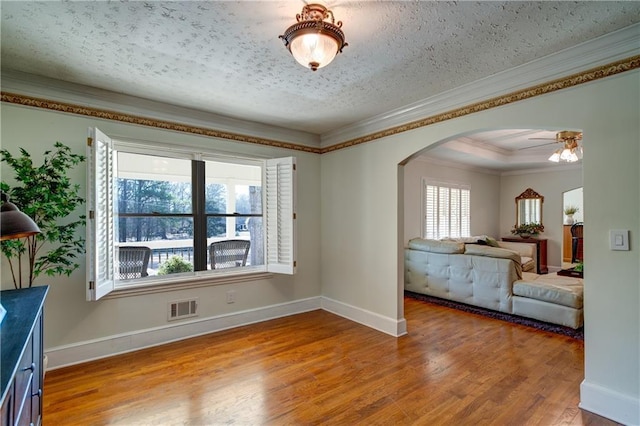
(21, 374)
(541, 251)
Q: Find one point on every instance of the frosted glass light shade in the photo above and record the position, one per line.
(555, 157)
(314, 50)
(566, 154)
(316, 39)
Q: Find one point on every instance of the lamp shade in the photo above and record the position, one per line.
(14, 223)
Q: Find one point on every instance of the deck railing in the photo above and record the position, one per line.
(162, 250)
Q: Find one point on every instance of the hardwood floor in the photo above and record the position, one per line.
(454, 368)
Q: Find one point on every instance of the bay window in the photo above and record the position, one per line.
(169, 205)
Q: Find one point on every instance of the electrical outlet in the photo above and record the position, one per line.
(231, 296)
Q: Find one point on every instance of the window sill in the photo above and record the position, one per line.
(192, 281)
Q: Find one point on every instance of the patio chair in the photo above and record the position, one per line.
(133, 261)
(576, 242)
(229, 253)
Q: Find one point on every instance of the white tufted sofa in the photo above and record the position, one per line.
(484, 276)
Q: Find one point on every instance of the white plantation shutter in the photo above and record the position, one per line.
(447, 210)
(100, 222)
(465, 213)
(280, 212)
(443, 212)
(431, 218)
(454, 213)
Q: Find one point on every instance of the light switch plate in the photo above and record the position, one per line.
(619, 239)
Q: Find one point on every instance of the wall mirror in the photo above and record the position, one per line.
(572, 198)
(529, 208)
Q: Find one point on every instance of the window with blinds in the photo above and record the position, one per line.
(447, 210)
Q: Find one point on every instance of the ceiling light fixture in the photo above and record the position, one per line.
(569, 152)
(314, 41)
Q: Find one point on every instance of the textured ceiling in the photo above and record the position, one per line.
(226, 58)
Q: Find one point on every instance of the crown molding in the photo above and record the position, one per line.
(546, 168)
(542, 89)
(455, 165)
(79, 99)
(552, 168)
(23, 100)
(611, 48)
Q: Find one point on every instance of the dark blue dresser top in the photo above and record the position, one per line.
(22, 308)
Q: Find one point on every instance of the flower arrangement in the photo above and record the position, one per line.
(571, 209)
(527, 229)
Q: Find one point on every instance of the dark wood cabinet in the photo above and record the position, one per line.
(21, 369)
(541, 251)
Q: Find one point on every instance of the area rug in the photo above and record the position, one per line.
(540, 325)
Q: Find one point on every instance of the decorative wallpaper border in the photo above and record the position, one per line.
(541, 89)
(14, 98)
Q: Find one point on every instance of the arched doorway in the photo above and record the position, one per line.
(496, 165)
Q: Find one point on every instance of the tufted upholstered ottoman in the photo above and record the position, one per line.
(549, 298)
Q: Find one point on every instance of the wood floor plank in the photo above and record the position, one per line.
(453, 368)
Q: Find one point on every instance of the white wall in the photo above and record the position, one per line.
(485, 195)
(70, 320)
(363, 213)
(550, 184)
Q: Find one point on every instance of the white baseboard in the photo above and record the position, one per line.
(77, 353)
(63, 356)
(610, 404)
(370, 319)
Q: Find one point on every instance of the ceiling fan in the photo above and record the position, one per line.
(570, 152)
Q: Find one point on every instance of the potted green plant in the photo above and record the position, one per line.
(45, 193)
(569, 211)
(174, 265)
(526, 230)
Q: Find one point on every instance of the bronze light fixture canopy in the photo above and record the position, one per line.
(569, 152)
(316, 39)
(13, 223)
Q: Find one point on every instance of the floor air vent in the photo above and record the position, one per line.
(182, 309)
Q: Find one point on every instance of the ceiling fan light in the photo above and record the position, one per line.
(316, 39)
(571, 150)
(566, 154)
(556, 156)
(573, 157)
